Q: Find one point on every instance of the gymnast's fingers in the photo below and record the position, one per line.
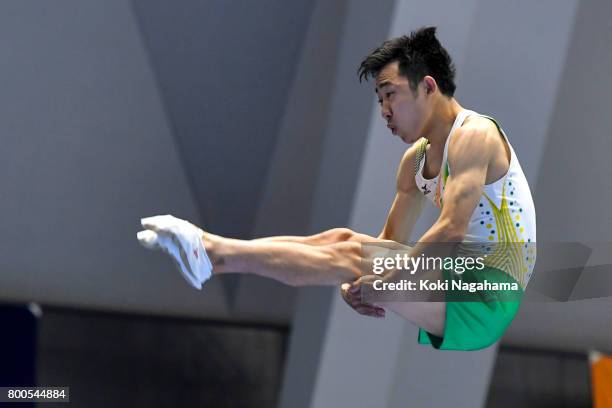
(371, 311)
(354, 301)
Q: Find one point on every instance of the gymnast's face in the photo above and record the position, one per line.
(404, 110)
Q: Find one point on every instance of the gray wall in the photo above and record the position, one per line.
(289, 194)
(87, 151)
(117, 110)
(343, 133)
(225, 70)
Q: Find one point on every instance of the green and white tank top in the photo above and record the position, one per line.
(504, 220)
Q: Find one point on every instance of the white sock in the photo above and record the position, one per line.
(183, 241)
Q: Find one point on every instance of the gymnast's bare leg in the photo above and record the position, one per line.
(330, 258)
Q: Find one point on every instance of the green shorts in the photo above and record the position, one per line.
(475, 320)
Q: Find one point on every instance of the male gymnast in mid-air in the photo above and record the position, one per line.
(462, 161)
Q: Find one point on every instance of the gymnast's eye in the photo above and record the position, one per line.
(380, 101)
(388, 94)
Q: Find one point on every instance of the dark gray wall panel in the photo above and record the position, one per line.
(225, 69)
(112, 360)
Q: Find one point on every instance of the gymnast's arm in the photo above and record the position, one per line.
(402, 217)
(408, 202)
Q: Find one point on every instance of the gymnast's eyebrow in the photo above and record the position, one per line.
(383, 84)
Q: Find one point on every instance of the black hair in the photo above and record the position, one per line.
(418, 54)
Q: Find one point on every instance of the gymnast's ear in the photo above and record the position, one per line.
(429, 84)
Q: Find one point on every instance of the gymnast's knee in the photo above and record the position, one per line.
(340, 234)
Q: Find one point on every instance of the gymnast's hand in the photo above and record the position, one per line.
(351, 293)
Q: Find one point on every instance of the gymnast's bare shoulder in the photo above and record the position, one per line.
(406, 172)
